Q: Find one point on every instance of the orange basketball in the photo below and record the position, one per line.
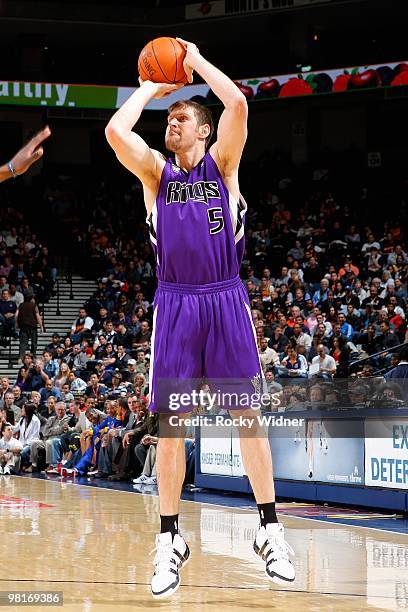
(161, 61)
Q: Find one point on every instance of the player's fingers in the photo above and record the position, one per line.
(37, 154)
(40, 137)
(189, 73)
(182, 42)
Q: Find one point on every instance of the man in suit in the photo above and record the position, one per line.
(51, 443)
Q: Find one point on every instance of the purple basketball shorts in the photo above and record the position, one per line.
(203, 334)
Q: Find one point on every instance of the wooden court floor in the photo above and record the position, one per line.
(93, 545)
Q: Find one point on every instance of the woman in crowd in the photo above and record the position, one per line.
(28, 430)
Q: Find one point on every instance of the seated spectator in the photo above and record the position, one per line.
(47, 391)
(293, 365)
(279, 341)
(12, 410)
(109, 357)
(81, 326)
(326, 363)
(141, 362)
(8, 315)
(386, 339)
(53, 429)
(19, 399)
(50, 366)
(27, 430)
(302, 340)
(321, 295)
(66, 395)
(48, 408)
(143, 335)
(62, 377)
(95, 388)
(267, 355)
(341, 356)
(78, 359)
(55, 342)
(124, 336)
(10, 450)
(317, 397)
(36, 375)
(122, 358)
(346, 329)
(77, 385)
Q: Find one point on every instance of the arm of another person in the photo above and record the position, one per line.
(25, 157)
(131, 150)
(39, 319)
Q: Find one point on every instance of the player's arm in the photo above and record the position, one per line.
(25, 157)
(131, 150)
(232, 127)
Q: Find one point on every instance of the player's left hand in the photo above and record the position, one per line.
(31, 152)
(161, 90)
(191, 52)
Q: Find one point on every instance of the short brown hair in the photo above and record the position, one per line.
(202, 114)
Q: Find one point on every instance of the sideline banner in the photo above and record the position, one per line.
(386, 453)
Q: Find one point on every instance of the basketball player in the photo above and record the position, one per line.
(25, 158)
(201, 310)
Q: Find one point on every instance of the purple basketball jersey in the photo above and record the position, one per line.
(196, 226)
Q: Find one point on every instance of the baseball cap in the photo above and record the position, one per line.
(132, 362)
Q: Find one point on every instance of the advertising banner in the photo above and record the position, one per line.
(386, 453)
(221, 8)
(338, 455)
(358, 78)
(215, 453)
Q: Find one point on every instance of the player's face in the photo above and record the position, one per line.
(181, 132)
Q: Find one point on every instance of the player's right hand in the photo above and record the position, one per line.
(161, 89)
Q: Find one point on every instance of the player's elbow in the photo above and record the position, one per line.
(113, 134)
(239, 103)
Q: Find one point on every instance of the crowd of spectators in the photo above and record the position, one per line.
(27, 277)
(327, 288)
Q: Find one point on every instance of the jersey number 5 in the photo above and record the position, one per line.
(216, 220)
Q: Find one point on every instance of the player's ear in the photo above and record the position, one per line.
(204, 130)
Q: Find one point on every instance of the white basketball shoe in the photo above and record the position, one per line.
(270, 545)
(171, 555)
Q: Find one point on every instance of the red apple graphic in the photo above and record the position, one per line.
(401, 78)
(269, 88)
(368, 78)
(295, 87)
(400, 68)
(342, 82)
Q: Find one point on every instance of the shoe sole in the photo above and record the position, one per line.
(168, 592)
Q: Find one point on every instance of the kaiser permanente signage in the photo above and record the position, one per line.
(360, 78)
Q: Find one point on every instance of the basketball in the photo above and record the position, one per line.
(161, 61)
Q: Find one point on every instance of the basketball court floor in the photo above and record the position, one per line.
(93, 543)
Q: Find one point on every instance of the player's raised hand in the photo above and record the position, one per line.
(191, 51)
(161, 89)
(31, 152)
